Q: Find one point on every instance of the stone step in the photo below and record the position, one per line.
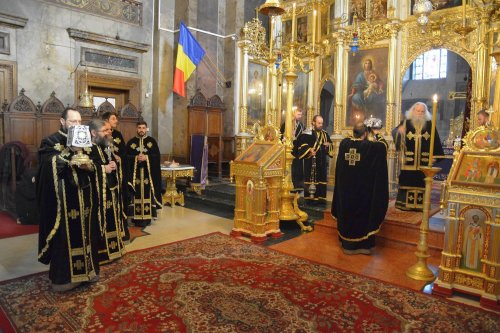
(222, 196)
(398, 235)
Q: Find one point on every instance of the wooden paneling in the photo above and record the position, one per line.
(197, 122)
(214, 123)
(22, 129)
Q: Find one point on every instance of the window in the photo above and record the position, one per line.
(99, 100)
(432, 64)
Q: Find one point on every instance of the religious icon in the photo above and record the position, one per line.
(249, 199)
(367, 86)
(491, 172)
(254, 153)
(256, 94)
(302, 29)
(473, 239)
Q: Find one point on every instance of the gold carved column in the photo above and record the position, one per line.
(339, 109)
(483, 65)
(392, 111)
(243, 138)
(495, 117)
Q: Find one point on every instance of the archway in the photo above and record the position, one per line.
(326, 106)
(447, 74)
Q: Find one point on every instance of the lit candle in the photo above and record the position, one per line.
(433, 128)
(314, 29)
(463, 12)
(271, 37)
(294, 24)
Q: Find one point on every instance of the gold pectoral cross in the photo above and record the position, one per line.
(352, 156)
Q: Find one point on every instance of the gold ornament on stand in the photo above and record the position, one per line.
(78, 139)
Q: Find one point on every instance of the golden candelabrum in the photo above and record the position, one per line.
(420, 270)
(284, 56)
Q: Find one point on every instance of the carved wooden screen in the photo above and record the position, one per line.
(20, 122)
(129, 115)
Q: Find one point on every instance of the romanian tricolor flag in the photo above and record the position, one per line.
(189, 55)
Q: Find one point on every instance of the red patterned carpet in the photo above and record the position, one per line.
(215, 283)
(395, 215)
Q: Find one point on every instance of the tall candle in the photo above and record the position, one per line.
(463, 12)
(271, 38)
(294, 24)
(314, 29)
(433, 128)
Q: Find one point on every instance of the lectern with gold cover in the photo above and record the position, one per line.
(258, 174)
(470, 260)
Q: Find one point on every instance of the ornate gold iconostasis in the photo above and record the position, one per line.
(470, 259)
(389, 38)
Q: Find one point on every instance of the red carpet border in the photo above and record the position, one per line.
(215, 283)
(10, 228)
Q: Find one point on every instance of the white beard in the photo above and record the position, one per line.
(418, 122)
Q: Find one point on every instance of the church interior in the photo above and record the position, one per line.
(227, 169)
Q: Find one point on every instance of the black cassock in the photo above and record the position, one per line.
(112, 220)
(67, 204)
(361, 193)
(120, 149)
(414, 150)
(297, 164)
(144, 179)
(317, 175)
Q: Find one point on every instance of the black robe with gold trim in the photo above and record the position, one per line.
(68, 214)
(414, 150)
(297, 164)
(361, 193)
(120, 149)
(307, 142)
(112, 220)
(144, 179)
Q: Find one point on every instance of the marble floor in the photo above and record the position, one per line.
(18, 255)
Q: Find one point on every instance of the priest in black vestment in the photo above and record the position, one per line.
(413, 139)
(144, 176)
(297, 164)
(109, 178)
(119, 149)
(67, 208)
(314, 147)
(361, 193)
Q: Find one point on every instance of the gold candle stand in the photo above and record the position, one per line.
(420, 270)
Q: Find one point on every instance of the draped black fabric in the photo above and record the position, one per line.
(297, 164)
(144, 178)
(120, 149)
(67, 204)
(361, 193)
(307, 142)
(414, 148)
(112, 222)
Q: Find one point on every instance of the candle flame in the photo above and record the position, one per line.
(315, 12)
(435, 98)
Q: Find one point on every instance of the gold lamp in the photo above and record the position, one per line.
(271, 8)
(86, 99)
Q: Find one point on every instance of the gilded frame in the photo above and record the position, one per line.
(357, 106)
(473, 169)
(256, 98)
